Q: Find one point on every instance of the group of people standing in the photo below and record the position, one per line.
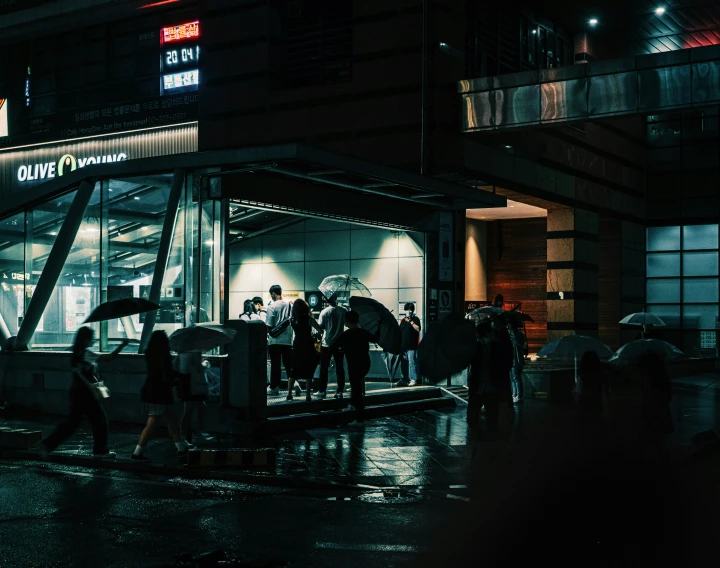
(186, 373)
(305, 343)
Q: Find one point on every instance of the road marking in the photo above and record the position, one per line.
(369, 547)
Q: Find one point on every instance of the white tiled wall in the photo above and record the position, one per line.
(297, 258)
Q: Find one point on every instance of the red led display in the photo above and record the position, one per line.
(182, 32)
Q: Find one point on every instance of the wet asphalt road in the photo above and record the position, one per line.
(549, 491)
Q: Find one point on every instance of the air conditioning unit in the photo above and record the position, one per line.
(247, 370)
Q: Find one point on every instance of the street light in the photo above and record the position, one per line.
(659, 10)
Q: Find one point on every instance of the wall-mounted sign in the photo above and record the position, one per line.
(66, 164)
(180, 82)
(445, 301)
(179, 57)
(25, 167)
(181, 32)
(4, 125)
(446, 248)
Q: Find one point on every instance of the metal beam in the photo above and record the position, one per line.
(163, 254)
(55, 262)
(269, 228)
(4, 333)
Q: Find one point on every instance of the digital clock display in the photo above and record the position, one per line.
(181, 82)
(180, 57)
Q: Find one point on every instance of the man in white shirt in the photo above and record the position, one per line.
(260, 307)
(332, 321)
(279, 348)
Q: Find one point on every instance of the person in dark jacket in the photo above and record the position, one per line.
(355, 345)
(592, 384)
(305, 357)
(157, 395)
(489, 377)
(410, 328)
(84, 397)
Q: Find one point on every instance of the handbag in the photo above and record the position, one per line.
(278, 330)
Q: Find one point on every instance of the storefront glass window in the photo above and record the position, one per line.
(12, 264)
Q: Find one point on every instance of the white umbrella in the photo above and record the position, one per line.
(629, 353)
(643, 320)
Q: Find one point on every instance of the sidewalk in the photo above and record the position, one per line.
(427, 449)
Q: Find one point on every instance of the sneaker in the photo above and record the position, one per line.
(402, 383)
(412, 384)
(273, 391)
(339, 395)
(289, 397)
(141, 457)
(516, 399)
(104, 456)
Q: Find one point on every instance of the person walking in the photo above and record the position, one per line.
(488, 376)
(260, 308)
(304, 355)
(355, 345)
(280, 347)
(84, 397)
(332, 321)
(157, 395)
(193, 390)
(249, 313)
(410, 337)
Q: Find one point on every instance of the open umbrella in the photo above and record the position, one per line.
(121, 308)
(378, 320)
(643, 320)
(573, 347)
(201, 337)
(486, 313)
(447, 348)
(629, 353)
(343, 286)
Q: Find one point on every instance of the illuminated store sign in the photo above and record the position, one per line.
(66, 164)
(182, 32)
(180, 82)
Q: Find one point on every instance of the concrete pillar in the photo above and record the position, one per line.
(572, 272)
(475, 260)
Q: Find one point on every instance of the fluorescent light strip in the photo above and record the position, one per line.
(53, 142)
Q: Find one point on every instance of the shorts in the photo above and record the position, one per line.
(155, 409)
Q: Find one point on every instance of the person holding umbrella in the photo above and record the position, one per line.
(157, 396)
(193, 390)
(85, 396)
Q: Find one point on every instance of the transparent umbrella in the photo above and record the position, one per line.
(629, 353)
(643, 320)
(342, 287)
(571, 348)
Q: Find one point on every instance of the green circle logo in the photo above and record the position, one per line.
(67, 163)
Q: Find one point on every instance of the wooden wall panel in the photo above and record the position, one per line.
(517, 269)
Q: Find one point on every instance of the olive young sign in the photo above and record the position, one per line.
(67, 163)
(25, 167)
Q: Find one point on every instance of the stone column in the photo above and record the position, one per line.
(572, 272)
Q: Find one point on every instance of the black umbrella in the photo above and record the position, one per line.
(115, 309)
(379, 321)
(447, 348)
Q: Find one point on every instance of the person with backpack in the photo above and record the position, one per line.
(85, 397)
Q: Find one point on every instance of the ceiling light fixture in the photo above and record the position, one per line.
(659, 10)
(593, 21)
(508, 147)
